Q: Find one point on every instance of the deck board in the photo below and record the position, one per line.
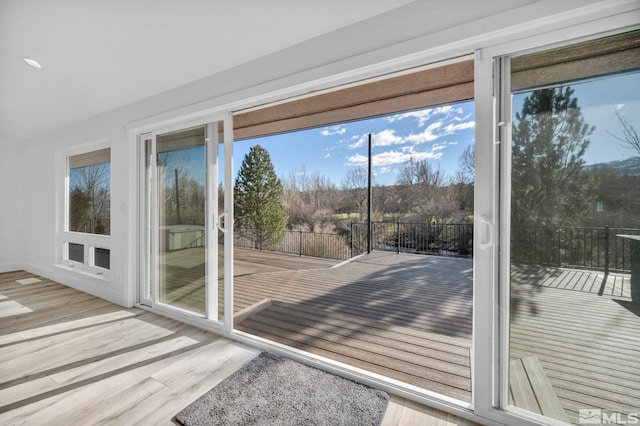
(615, 285)
(586, 343)
(582, 339)
(384, 315)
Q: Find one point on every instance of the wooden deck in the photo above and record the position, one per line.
(70, 358)
(587, 344)
(613, 285)
(407, 317)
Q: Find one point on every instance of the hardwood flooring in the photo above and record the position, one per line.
(67, 357)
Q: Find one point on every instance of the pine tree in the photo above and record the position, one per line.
(550, 138)
(258, 208)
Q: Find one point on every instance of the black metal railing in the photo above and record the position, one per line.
(434, 239)
(587, 248)
(442, 239)
(302, 243)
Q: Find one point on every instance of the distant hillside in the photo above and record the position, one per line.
(629, 166)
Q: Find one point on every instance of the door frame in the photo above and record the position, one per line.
(147, 287)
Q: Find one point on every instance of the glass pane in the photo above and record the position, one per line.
(76, 252)
(220, 234)
(102, 258)
(301, 208)
(575, 221)
(181, 208)
(146, 290)
(90, 193)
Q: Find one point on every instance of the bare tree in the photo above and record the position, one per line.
(461, 187)
(466, 164)
(305, 195)
(91, 195)
(630, 136)
(422, 189)
(355, 185)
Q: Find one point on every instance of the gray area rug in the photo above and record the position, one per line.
(273, 390)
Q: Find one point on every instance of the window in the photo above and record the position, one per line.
(420, 125)
(76, 252)
(599, 206)
(101, 257)
(87, 223)
(90, 192)
(573, 311)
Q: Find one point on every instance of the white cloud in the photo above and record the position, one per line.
(619, 107)
(361, 140)
(452, 128)
(429, 140)
(441, 146)
(425, 114)
(390, 158)
(431, 133)
(384, 170)
(357, 160)
(334, 130)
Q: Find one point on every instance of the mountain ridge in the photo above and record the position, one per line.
(629, 166)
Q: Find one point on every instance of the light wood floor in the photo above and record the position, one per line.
(70, 358)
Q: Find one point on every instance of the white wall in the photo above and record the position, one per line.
(327, 60)
(11, 197)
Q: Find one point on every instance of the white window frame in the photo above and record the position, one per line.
(89, 241)
(147, 272)
(492, 210)
(489, 312)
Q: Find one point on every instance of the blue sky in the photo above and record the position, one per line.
(438, 135)
(601, 98)
(598, 100)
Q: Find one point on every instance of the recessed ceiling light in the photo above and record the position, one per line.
(33, 63)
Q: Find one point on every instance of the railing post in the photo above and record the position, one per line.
(398, 237)
(606, 249)
(300, 231)
(261, 236)
(351, 238)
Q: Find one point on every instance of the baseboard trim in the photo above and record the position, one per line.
(10, 267)
(80, 282)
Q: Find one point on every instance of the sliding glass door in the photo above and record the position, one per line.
(184, 221)
(573, 170)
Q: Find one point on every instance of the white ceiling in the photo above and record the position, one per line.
(98, 55)
(101, 54)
